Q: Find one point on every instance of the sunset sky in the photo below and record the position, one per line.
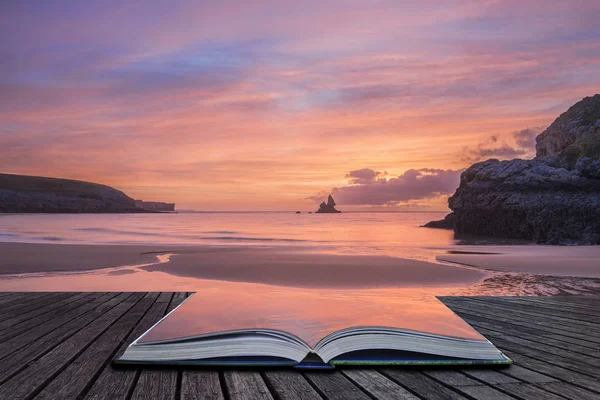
(272, 104)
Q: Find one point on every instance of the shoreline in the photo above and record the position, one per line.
(459, 270)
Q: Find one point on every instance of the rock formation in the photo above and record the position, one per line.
(155, 206)
(446, 223)
(328, 207)
(33, 194)
(553, 198)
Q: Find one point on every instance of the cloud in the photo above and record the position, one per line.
(364, 176)
(518, 144)
(365, 188)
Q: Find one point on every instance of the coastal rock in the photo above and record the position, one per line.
(553, 198)
(34, 194)
(578, 122)
(446, 223)
(328, 207)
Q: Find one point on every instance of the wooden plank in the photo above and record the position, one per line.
(512, 374)
(555, 371)
(165, 297)
(490, 376)
(55, 302)
(334, 386)
(529, 391)
(117, 383)
(166, 378)
(569, 391)
(484, 393)
(39, 342)
(80, 373)
(573, 360)
(246, 385)
(542, 339)
(470, 311)
(377, 385)
(421, 385)
(451, 378)
(201, 385)
(19, 298)
(34, 322)
(289, 385)
(31, 380)
(157, 384)
(516, 304)
(547, 301)
(31, 303)
(502, 309)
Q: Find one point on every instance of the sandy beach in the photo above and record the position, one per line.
(462, 270)
(277, 266)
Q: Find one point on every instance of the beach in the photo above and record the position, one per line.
(461, 270)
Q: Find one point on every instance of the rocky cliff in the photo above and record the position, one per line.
(553, 198)
(33, 194)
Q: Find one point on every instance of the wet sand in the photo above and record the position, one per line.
(487, 270)
(276, 266)
(579, 261)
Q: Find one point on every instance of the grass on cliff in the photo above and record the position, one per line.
(586, 147)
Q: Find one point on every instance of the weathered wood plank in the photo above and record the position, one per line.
(289, 385)
(30, 304)
(246, 385)
(484, 393)
(166, 378)
(422, 385)
(41, 343)
(555, 371)
(117, 383)
(378, 385)
(549, 302)
(473, 311)
(569, 391)
(80, 373)
(335, 386)
(31, 380)
(201, 385)
(41, 308)
(19, 298)
(157, 384)
(501, 309)
(528, 391)
(516, 304)
(34, 322)
(80, 306)
(575, 361)
(516, 374)
(542, 339)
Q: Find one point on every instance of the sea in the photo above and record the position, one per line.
(397, 234)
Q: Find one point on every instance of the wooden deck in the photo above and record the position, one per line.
(60, 346)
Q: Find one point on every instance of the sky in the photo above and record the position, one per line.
(272, 104)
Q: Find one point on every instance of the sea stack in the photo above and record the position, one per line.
(328, 208)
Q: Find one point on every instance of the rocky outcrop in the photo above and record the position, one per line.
(446, 223)
(327, 208)
(155, 206)
(578, 122)
(553, 198)
(33, 194)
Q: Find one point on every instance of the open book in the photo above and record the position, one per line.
(309, 329)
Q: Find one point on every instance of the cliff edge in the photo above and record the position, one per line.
(34, 194)
(553, 198)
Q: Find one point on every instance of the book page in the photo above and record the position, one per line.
(310, 314)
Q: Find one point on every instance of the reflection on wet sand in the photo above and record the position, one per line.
(310, 314)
